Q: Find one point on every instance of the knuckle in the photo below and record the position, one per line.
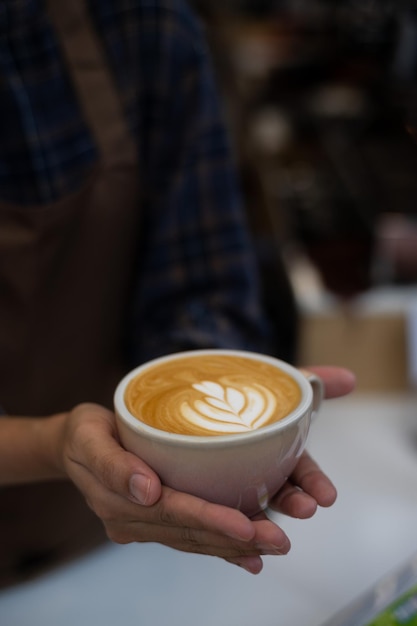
(107, 470)
(189, 536)
(165, 512)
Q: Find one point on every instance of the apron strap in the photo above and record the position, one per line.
(93, 81)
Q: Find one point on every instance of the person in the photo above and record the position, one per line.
(121, 238)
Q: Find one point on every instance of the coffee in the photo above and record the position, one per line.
(211, 394)
(217, 392)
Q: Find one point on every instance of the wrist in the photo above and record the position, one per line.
(49, 436)
(30, 449)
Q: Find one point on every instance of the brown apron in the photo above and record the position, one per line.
(65, 279)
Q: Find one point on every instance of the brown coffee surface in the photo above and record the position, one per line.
(212, 395)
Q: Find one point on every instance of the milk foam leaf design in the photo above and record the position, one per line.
(210, 388)
(234, 403)
(235, 399)
(227, 409)
(227, 399)
(219, 414)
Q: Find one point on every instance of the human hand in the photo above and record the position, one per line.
(134, 507)
(308, 487)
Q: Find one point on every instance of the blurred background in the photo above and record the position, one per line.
(321, 102)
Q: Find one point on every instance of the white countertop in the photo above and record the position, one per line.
(367, 444)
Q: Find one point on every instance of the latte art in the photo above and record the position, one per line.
(227, 409)
(211, 395)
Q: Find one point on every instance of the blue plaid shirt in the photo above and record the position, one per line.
(197, 284)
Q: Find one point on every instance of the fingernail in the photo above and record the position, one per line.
(139, 487)
(268, 548)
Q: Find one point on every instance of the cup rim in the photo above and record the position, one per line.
(155, 434)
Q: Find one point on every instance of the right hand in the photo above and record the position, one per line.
(134, 507)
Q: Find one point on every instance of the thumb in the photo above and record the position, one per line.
(100, 452)
(338, 381)
(144, 485)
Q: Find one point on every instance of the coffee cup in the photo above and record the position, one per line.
(225, 425)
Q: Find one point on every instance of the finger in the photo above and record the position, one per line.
(308, 477)
(173, 509)
(179, 514)
(338, 381)
(192, 540)
(252, 564)
(179, 509)
(268, 538)
(126, 522)
(293, 502)
(96, 448)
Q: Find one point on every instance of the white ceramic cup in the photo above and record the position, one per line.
(242, 470)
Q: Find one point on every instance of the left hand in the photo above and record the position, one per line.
(308, 487)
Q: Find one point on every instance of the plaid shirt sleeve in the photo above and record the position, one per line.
(197, 282)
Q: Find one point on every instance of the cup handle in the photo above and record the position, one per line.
(317, 386)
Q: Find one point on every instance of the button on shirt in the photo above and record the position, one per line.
(196, 278)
